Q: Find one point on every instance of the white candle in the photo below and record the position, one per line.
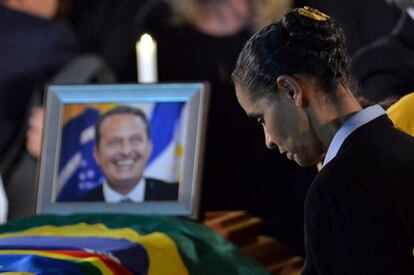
(146, 50)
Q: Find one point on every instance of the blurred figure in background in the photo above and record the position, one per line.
(227, 17)
(105, 28)
(34, 46)
(385, 68)
(358, 19)
(35, 131)
(200, 40)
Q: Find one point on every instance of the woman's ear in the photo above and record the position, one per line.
(292, 87)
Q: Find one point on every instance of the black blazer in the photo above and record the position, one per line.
(155, 190)
(359, 211)
(386, 67)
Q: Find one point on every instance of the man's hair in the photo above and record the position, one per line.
(402, 3)
(296, 44)
(120, 110)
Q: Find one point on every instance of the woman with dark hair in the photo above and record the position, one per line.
(292, 77)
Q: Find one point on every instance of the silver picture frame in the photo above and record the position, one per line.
(195, 97)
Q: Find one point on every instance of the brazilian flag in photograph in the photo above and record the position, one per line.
(117, 244)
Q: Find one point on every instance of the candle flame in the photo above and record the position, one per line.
(146, 49)
(146, 41)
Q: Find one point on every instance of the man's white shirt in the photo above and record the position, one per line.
(137, 194)
(410, 12)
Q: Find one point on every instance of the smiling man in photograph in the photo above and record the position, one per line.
(122, 149)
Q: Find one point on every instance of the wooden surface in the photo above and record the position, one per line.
(245, 232)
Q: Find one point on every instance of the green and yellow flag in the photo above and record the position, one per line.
(117, 244)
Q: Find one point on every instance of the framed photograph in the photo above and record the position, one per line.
(127, 148)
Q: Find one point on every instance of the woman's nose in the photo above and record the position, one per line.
(269, 141)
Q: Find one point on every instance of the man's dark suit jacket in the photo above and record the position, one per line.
(359, 211)
(32, 50)
(155, 190)
(386, 67)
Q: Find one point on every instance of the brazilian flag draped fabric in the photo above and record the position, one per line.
(117, 244)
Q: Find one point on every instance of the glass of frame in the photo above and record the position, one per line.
(145, 159)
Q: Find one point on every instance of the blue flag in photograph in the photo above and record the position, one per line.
(164, 123)
(78, 171)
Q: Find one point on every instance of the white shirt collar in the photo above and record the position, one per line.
(137, 194)
(351, 124)
(410, 12)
